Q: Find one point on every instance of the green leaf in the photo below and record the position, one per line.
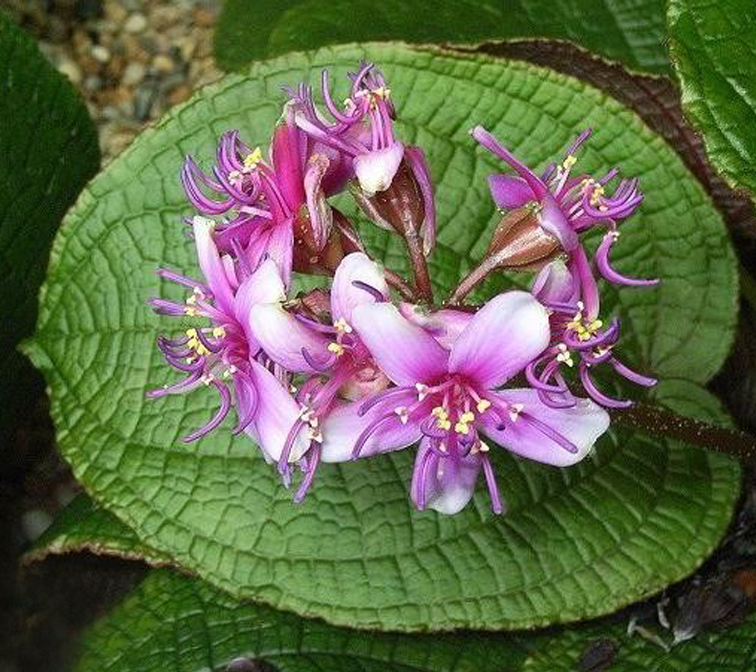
(728, 651)
(629, 31)
(172, 622)
(84, 526)
(576, 543)
(714, 52)
(49, 150)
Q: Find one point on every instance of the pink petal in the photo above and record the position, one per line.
(343, 426)
(211, 264)
(287, 162)
(509, 332)
(445, 484)
(554, 284)
(321, 215)
(283, 337)
(375, 169)
(280, 246)
(345, 296)
(510, 192)
(581, 425)
(406, 353)
(444, 325)
(275, 415)
(263, 286)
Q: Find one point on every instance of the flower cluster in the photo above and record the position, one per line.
(372, 365)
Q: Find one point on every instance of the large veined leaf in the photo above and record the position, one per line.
(714, 53)
(48, 146)
(172, 622)
(732, 650)
(576, 543)
(629, 31)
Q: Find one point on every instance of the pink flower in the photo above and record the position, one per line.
(450, 399)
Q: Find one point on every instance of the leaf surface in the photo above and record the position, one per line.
(575, 544)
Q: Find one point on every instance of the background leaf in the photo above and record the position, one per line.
(49, 150)
(576, 543)
(172, 622)
(714, 53)
(631, 31)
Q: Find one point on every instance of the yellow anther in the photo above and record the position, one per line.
(462, 428)
(443, 423)
(253, 158)
(484, 448)
(207, 379)
(569, 161)
(440, 412)
(191, 333)
(595, 325)
(191, 312)
(598, 192)
(336, 348)
(401, 411)
(422, 391)
(219, 332)
(191, 300)
(467, 417)
(483, 405)
(342, 326)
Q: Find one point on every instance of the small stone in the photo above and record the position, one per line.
(133, 74)
(116, 12)
(86, 10)
(203, 17)
(163, 63)
(136, 23)
(93, 83)
(71, 70)
(100, 53)
(144, 101)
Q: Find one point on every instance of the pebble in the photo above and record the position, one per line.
(131, 59)
(100, 53)
(133, 74)
(136, 23)
(71, 70)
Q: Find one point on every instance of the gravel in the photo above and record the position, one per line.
(131, 59)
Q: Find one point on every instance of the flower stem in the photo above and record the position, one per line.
(419, 266)
(659, 421)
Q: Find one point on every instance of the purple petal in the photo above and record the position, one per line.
(375, 169)
(406, 353)
(510, 331)
(554, 284)
(263, 286)
(443, 483)
(419, 166)
(509, 192)
(345, 295)
(580, 425)
(283, 338)
(276, 413)
(344, 425)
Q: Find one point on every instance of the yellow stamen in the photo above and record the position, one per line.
(462, 428)
(483, 405)
(342, 326)
(467, 417)
(252, 159)
(219, 332)
(443, 424)
(336, 348)
(569, 161)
